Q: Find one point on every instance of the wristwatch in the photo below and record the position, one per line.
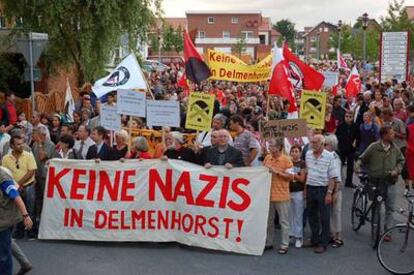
(25, 216)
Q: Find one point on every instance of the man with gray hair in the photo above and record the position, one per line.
(219, 122)
(320, 185)
(43, 150)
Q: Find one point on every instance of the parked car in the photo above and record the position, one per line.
(154, 65)
(167, 60)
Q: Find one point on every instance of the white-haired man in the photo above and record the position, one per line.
(320, 185)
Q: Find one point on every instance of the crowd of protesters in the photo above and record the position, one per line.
(306, 172)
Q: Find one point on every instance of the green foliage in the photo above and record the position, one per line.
(397, 20)
(84, 33)
(352, 42)
(287, 30)
(240, 46)
(172, 39)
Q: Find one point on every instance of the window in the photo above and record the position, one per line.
(326, 30)
(201, 34)
(247, 34)
(19, 22)
(313, 38)
(210, 20)
(226, 34)
(235, 20)
(2, 22)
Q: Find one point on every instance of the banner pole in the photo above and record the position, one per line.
(129, 134)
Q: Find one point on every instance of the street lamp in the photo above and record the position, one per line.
(159, 32)
(319, 45)
(365, 21)
(339, 34)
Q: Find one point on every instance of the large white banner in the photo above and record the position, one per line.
(159, 201)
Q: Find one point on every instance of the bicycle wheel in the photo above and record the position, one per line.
(397, 255)
(375, 224)
(358, 208)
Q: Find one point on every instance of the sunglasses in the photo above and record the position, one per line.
(17, 164)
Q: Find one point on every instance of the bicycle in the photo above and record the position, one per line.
(395, 249)
(361, 212)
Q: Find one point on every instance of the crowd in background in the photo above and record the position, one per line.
(381, 112)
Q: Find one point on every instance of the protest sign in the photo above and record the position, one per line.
(158, 201)
(289, 128)
(130, 102)
(331, 79)
(229, 68)
(163, 113)
(200, 111)
(110, 119)
(312, 108)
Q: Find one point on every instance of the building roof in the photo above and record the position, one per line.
(223, 12)
(176, 22)
(410, 12)
(331, 26)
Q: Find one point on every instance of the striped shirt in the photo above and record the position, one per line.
(322, 169)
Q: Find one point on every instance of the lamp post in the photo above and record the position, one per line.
(365, 21)
(339, 34)
(319, 46)
(159, 33)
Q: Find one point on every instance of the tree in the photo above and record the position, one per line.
(397, 20)
(240, 46)
(352, 41)
(287, 30)
(84, 33)
(172, 39)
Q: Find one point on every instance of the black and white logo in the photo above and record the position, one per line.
(118, 78)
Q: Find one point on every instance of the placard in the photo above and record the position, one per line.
(163, 113)
(200, 111)
(110, 119)
(331, 79)
(289, 128)
(131, 103)
(312, 108)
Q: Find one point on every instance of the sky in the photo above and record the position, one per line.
(301, 12)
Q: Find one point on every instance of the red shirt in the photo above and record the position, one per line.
(142, 155)
(12, 113)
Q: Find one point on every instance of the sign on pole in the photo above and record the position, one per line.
(110, 119)
(289, 128)
(312, 108)
(131, 103)
(394, 56)
(331, 79)
(200, 111)
(163, 113)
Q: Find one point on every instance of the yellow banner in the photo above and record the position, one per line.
(200, 111)
(230, 68)
(313, 108)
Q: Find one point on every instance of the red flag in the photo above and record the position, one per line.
(311, 78)
(341, 63)
(182, 82)
(353, 86)
(280, 84)
(195, 67)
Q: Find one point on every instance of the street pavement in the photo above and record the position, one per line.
(72, 257)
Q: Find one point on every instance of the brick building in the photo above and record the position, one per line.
(222, 30)
(316, 40)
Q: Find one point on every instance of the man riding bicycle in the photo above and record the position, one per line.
(383, 162)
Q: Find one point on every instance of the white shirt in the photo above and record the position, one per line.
(88, 143)
(320, 170)
(204, 138)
